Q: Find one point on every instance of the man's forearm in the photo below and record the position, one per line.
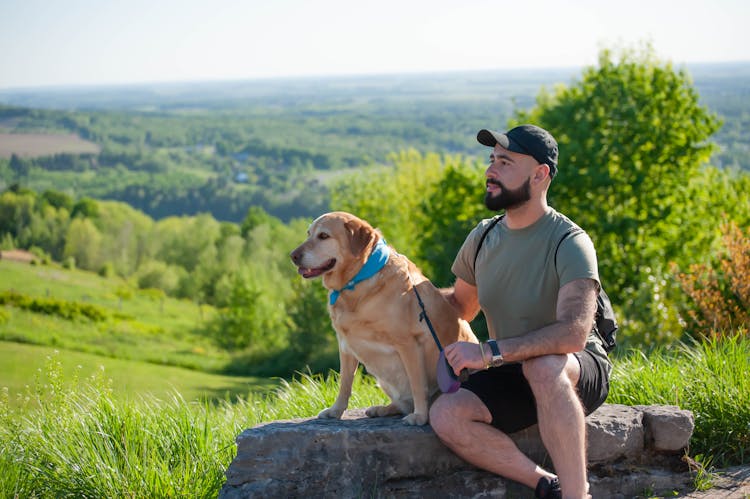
(558, 338)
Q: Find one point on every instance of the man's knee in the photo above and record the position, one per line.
(449, 415)
(548, 369)
(442, 414)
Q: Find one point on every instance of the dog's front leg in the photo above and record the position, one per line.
(413, 358)
(349, 364)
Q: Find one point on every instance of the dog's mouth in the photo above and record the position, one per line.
(310, 273)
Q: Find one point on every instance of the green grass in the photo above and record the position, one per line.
(78, 440)
(143, 326)
(22, 365)
(710, 379)
(81, 441)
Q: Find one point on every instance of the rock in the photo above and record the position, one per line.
(668, 428)
(383, 457)
(614, 432)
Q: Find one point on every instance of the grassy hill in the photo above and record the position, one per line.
(146, 343)
(23, 368)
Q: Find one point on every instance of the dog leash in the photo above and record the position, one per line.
(423, 316)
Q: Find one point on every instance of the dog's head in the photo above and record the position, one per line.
(336, 247)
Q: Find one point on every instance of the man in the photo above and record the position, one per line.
(538, 292)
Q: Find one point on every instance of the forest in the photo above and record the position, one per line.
(203, 200)
(221, 148)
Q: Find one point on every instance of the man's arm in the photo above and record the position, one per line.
(464, 298)
(576, 306)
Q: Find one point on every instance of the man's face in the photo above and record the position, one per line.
(508, 179)
(506, 198)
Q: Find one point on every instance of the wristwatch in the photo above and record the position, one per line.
(497, 356)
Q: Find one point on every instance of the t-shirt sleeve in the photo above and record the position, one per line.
(463, 265)
(576, 259)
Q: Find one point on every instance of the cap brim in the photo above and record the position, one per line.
(490, 139)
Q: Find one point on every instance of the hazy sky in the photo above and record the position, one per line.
(54, 42)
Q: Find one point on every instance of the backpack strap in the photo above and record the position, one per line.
(495, 220)
(571, 232)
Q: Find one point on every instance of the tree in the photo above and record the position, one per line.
(634, 140)
(82, 243)
(19, 167)
(451, 213)
(392, 199)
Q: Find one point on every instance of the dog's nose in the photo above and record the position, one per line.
(296, 256)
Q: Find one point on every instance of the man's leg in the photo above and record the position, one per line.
(462, 422)
(553, 379)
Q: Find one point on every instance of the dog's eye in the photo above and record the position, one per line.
(323, 235)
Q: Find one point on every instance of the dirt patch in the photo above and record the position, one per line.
(17, 256)
(32, 145)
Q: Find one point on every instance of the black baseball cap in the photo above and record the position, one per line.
(525, 139)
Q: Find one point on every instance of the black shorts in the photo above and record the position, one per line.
(508, 396)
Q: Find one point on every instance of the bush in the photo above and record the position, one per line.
(107, 270)
(52, 306)
(720, 292)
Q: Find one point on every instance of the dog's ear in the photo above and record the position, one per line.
(360, 235)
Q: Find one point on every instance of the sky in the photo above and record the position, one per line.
(92, 42)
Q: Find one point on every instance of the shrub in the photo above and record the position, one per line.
(720, 292)
(52, 306)
(107, 270)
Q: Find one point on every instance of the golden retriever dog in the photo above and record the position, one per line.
(376, 314)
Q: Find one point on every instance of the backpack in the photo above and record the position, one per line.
(605, 324)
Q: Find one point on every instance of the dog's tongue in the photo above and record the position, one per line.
(308, 273)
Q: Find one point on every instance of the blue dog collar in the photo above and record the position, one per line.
(376, 261)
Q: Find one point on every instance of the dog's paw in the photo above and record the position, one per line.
(331, 413)
(381, 411)
(415, 419)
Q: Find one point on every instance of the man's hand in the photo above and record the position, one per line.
(463, 354)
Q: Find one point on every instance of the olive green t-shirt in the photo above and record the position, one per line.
(518, 276)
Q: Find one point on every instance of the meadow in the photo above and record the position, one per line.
(83, 441)
(141, 325)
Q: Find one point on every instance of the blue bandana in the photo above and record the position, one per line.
(377, 260)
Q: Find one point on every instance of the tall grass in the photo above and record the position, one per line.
(85, 442)
(709, 378)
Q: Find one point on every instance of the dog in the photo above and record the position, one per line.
(376, 314)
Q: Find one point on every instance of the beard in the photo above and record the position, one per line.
(507, 198)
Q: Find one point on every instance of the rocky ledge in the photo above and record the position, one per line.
(632, 451)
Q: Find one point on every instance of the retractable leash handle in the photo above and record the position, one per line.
(448, 382)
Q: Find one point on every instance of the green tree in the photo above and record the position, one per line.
(451, 213)
(392, 198)
(82, 243)
(19, 167)
(634, 140)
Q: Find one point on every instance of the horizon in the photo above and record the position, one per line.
(572, 70)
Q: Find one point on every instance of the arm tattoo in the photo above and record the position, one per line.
(576, 303)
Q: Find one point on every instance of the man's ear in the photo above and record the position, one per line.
(542, 171)
(360, 236)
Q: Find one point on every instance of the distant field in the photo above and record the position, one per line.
(158, 330)
(21, 365)
(32, 145)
